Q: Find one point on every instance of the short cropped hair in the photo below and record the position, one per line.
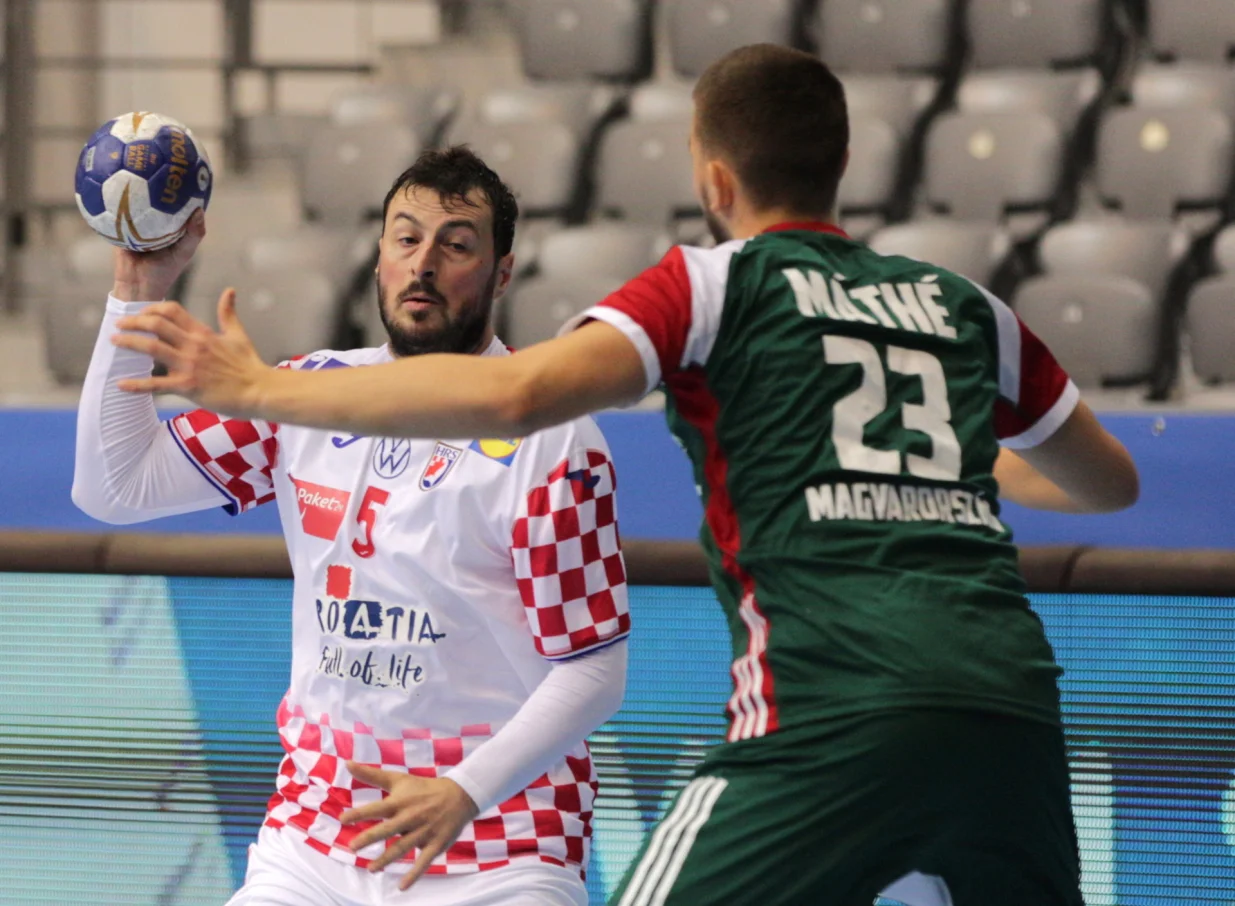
(778, 117)
(454, 173)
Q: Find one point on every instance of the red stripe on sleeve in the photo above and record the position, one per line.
(658, 300)
(1043, 382)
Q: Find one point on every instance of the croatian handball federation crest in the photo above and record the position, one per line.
(440, 463)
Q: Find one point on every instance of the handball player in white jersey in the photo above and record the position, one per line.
(459, 610)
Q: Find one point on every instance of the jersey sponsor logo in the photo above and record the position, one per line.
(501, 450)
(584, 477)
(351, 620)
(439, 465)
(339, 581)
(391, 456)
(883, 502)
(320, 362)
(345, 441)
(321, 508)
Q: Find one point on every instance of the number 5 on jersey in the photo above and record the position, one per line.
(854, 412)
(367, 517)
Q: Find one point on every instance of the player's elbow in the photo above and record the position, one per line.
(1121, 489)
(95, 503)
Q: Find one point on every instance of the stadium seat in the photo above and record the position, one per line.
(1224, 250)
(71, 316)
(985, 166)
(620, 250)
(1101, 328)
(578, 105)
(287, 314)
(1210, 323)
(663, 102)
(974, 250)
(897, 100)
(538, 160)
(645, 172)
(1178, 85)
(885, 36)
(870, 179)
(1152, 163)
(1146, 251)
(426, 110)
(537, 308)
(347, 171)
(581, 39)
(1192, 29)
(1063, 96)
(1041, 33)
(700, 31)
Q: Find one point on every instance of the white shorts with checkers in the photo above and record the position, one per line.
(283, 871)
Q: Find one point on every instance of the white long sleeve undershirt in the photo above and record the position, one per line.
(129, 469)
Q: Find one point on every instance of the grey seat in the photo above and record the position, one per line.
(1210, 323)
(1193, 29)
(973, 250)
(71, 315)
(347, 171)
(538, 307)
(426, 110)
(645, 171)
(700, 31)
(578, 105)
(1100, 327)
(978, 166)
(867, 186)
(538, 160)
(897, 100)
(1152, 162)
(287, 314)
(883, 35)
(1145, 251)
(580, 39)
(1187, 84)
(1033, 33)
(1063, 96)
(1224, 250)
(663, 102)
(620, 250)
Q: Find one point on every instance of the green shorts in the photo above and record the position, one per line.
(832, 814)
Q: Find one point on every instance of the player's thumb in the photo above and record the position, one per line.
(229, 322)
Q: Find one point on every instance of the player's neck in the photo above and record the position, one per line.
(747, 225)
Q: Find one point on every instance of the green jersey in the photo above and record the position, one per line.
(843, 411)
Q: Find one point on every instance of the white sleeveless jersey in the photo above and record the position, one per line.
(434, 582)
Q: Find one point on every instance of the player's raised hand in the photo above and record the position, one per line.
(426, 813)
(149, 276)
(220, 371)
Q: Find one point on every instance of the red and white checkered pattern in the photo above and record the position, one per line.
(236, 455)
(551, 820)
(568, 561)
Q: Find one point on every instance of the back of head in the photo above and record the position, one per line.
(778, 117)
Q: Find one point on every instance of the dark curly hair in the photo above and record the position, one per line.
(454, 173)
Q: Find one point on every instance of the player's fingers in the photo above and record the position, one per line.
(394, 852)
(388, 828)
(370, 812)
(151, 385)
(424, 859)
(364, 772)
(151, 346)
(162, 327)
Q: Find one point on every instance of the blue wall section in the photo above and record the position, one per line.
(1187, 468)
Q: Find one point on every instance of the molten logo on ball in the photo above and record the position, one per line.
(139, 179)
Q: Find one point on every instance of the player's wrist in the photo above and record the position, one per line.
(138, 291)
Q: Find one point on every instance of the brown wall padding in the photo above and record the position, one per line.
(1046, 569)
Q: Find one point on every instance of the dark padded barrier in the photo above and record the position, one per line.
(1046, 569)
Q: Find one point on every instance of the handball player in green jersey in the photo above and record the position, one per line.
(895, 711)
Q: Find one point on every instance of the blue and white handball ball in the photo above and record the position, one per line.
(139, 179)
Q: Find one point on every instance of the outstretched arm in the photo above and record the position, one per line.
(592, 368)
